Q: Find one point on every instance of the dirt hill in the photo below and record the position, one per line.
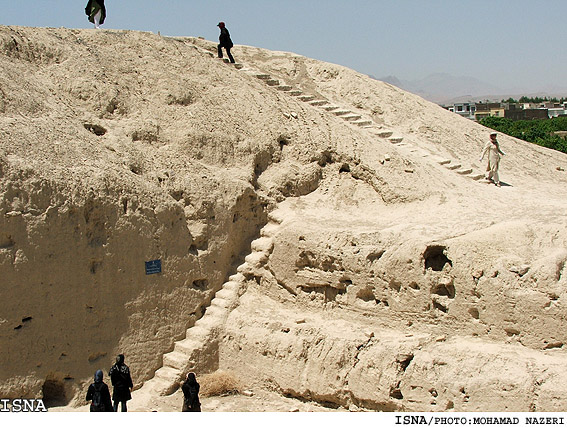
(322, 235)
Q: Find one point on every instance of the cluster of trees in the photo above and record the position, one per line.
(541, 132)
(536, 100)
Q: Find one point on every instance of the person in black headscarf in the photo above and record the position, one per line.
(225, 41)
(96, 12)
(190, 390)
(99, 395)
(121, 383)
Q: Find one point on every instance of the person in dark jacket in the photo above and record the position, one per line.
(190, 390)
(225, 41)
(121, 383)
(96, 12)
(99, 395)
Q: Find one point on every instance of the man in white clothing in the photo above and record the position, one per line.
(492, 148)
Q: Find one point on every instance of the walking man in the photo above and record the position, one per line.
(492, 148)
(96, 12)
(225, 41)
(121, 383)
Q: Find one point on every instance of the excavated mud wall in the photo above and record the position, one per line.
(366, 320)
(74, 285)
(100, 173)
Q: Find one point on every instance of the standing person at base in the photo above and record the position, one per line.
(99, 395)
(225, 41)
(121, 383)
(190, 390)
(96, 12)
(494, 154)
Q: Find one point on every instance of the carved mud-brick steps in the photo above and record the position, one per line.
(464, 171)
(385, 134)
(195, 349)
(263, 244)
(284, 88)
(235, 279)
(200, 330)
(256, 259)
(396, 140)
(306, 98)
(272, 82)
(221, 302)
(318, 103)
(295, 92)
(263, 76)
(330, 108)
(351, 117)
(341, 112)
(186, 346)
(444, 161)
(167, 374)
(269, 230)
(246, 270)
(453, 167)
(214, 311)
(177, 360)
(477, 177)
(362, 122)
(165, 381)
(275, 217)
(228, 295)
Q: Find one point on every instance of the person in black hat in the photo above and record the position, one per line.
(225, 41)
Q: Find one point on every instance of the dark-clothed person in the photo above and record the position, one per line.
(190, 390)
(225, 41)
(99, 395)
(121, 383)
(96, 12)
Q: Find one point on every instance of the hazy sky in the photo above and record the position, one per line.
(509, 43)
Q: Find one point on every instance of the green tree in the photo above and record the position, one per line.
(541, 132)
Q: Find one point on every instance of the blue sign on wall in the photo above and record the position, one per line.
(153, 266)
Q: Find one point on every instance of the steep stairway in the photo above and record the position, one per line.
(354, 119)
(360, 121)
(198, 351)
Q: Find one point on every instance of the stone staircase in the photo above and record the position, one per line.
(198, 351)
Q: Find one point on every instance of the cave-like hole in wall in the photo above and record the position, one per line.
(200, 284)
(54, 393)
(435, 258)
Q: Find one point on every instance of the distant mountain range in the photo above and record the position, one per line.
(444, 88)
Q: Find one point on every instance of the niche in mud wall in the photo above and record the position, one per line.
(323, 294)
(57, 390)
(435, 258)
